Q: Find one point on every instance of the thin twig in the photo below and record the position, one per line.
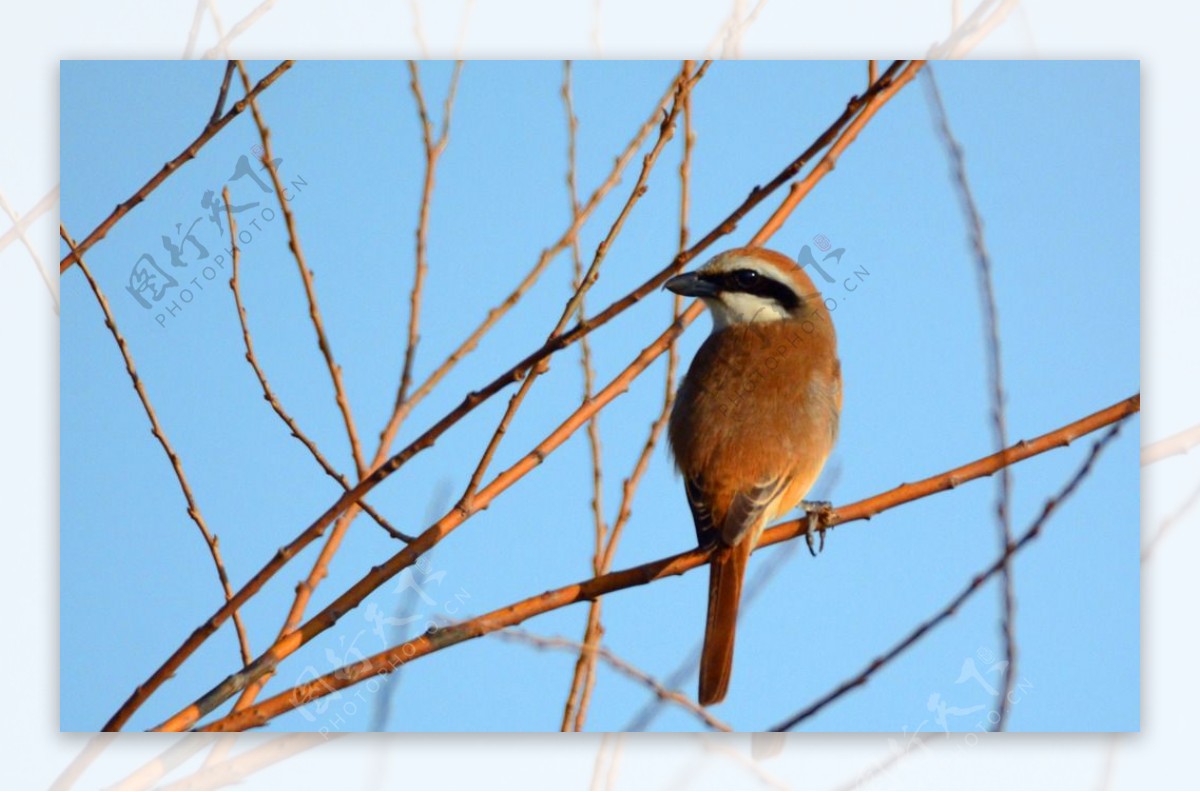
(320, 569)
(175, 754)
(975, 585)
(353, 596)
(730, 34)
(233, 771)
(666, 131)
(1175, 445)
(873, 771)
(91, 750)
(1170, 521)
(986, 17)
(219, 48)
(269, 394)
(220, 106)
(193, 509)
(761, 773)
(511, 615)
(305, 589)
(418, 29)
(240, 27)
(405, 406)
(623, 666)
(207, 134)
(882, 90)
(306, 277)
(630, 486)
(574, 711)
(392, 566)
(434, 146)
(991, 330)
(461, 41)
(44, 204)
(19, 227)
(194, 30)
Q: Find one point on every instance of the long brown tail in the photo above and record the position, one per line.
(727, 569)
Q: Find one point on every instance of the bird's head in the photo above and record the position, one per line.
(747, 285)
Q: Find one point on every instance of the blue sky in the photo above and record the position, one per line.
(1055, 173)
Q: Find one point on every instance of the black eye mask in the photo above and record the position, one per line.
(748, 281)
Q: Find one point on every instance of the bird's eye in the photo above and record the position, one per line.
(746, 278)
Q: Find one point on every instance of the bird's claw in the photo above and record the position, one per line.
(816, 515)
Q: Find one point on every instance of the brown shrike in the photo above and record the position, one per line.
(753, 423)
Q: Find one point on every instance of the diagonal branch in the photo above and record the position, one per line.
(856, 105)
(19, 228)
(208, 133)
(405, 406)
(881, 90)
(770, 567)
(269, 394)
(586, 281)
(1170, 521)
(991, 324)
(193, 510)
(585, 673)
(306, 276)
(433, 152)
(518, 612)
(1175, 445)
(305, 589)
(623, 666)
(574, 711)
(44, 204)
(239, 27)
(975, 585)
(220, 106)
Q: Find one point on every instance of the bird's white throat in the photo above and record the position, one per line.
(730, 308)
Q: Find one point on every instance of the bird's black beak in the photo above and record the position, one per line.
(691, 284)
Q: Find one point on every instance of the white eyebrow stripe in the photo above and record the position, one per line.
(763, 267)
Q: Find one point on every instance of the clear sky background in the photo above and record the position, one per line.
(1055, 172)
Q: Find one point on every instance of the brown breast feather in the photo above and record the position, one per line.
(769, 405)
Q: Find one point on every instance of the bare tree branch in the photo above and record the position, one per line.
(868, 102)
(269, 394)
(208, 133)
(991, 329)
(306, 277)
(1175, 445)
(193, 509)
(434, 146)
(239, 27)
(508, 616)
(582, 679)
(976, 583)
(220, 106)
(623, 666)
(19, 228)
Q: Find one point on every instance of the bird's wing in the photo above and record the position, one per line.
(747, 508)
(706, 532)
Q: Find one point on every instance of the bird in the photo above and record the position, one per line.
(754, 420)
